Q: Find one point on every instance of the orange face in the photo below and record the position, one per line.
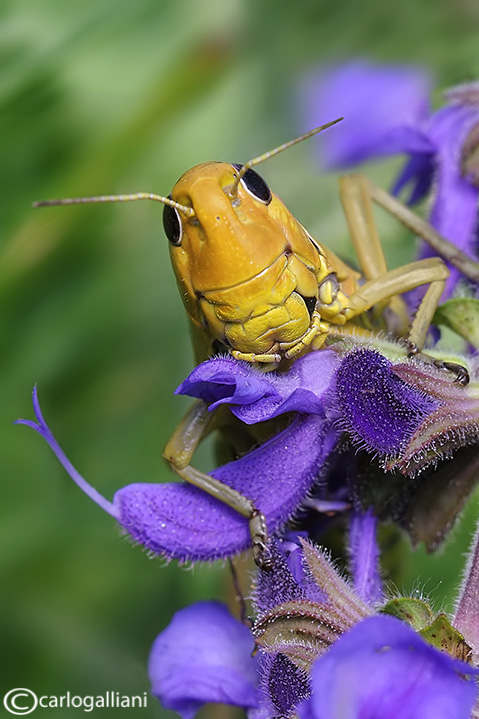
(248, 272)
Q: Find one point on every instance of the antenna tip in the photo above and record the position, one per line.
(334, 122)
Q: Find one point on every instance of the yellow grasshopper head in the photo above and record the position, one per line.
(230, 257)
(247, 270)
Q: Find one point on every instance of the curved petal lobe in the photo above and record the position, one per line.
(204, 655)
(181, 521)
(382, 669)
(256, 396)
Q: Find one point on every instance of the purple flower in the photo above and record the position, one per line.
(361, 394)
(180, 521)
(382, 669)
(204, 655)
(320, 652)
(386, 111)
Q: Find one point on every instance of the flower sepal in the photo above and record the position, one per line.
(314, 605)
(460, 314)
(442, 635)
(414, 612)
(453, 423)
(437, 631)
(422, 426)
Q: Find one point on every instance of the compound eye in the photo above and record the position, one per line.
(172, 224)
(255, 185)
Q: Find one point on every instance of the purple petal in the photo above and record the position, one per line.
(204, 655)
(382, 669)
(224, 379)
(380, 412)
(418, 172)
(278, 585)
(364, 556)
(384, 109)
(41, 427)
(181, 521)
(256, 395)
(454, 212)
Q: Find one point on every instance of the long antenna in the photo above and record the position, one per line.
(266, 155)
(188, 211)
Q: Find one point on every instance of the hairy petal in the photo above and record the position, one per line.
(288, 578)
(181, 521)
(283, 685)
(378, 409)
(364, 556)
(204, 655)
(382, 669)
(255, 395)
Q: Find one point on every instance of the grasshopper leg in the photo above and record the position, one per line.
(431, 271)
(445, 248)
(357, 205)
(383, 286)
(179, 451)
(357, 194)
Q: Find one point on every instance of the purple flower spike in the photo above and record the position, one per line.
(204, 655)
(254, 395)
(379, 410)
(382, 669)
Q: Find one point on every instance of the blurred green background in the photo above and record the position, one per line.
(108, 97)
